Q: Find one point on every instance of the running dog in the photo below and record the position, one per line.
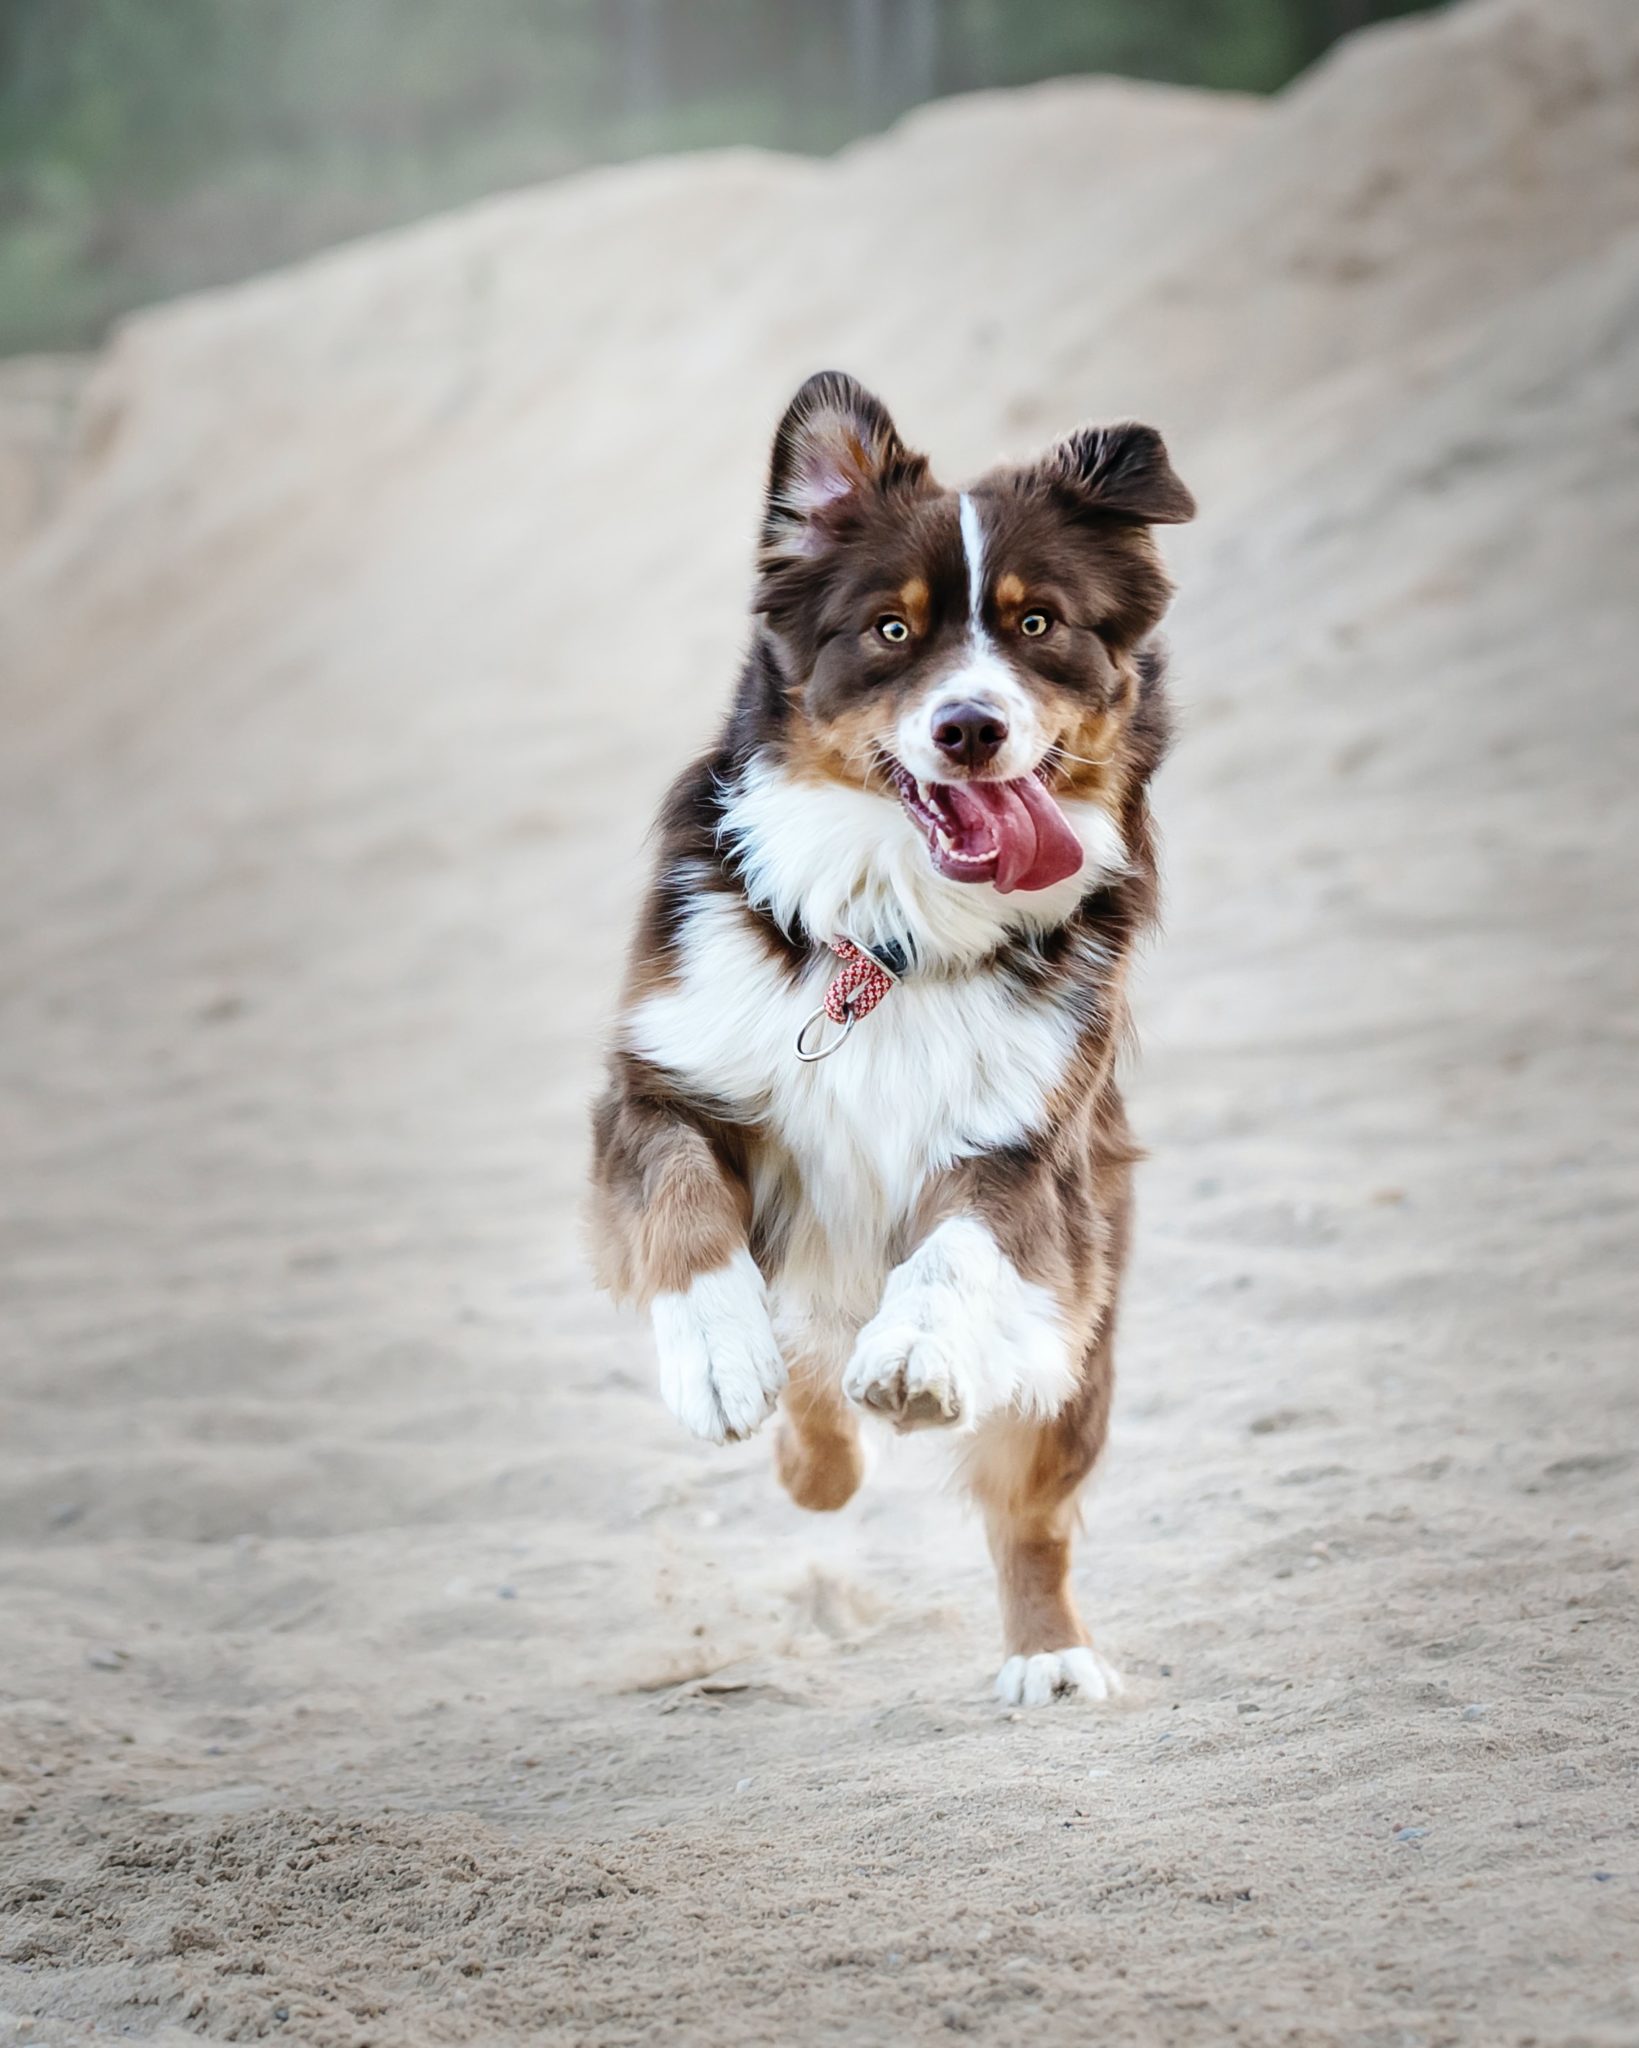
(862, 1152)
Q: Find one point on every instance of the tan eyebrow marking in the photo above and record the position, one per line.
(913, 596)
(1010, 592)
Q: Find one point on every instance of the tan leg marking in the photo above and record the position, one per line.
(816, 1444)
(1026, 1476)
(1032, 1559)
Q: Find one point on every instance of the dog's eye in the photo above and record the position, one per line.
(1034, 624)
(893, 630)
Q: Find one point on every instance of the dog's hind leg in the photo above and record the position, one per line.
(817, 1450)
(1026, 1476)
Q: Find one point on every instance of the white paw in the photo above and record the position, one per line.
(958, 1336)
(720, 1367)
(910, 1378)
(1056, 1674)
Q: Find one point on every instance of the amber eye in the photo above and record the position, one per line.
(893, 630)
(1034, 624)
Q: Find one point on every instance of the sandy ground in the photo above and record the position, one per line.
(378, 1662)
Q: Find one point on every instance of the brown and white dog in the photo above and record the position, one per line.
(937, 757)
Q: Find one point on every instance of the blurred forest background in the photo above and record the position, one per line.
(149, 147)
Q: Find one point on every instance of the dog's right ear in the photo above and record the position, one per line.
(835, 446)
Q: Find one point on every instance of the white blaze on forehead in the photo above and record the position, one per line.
(973, 548)
(981, 675)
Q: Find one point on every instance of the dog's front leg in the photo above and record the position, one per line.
(720, 1366)
(670, 1214)
(960, 1334)
(1000, 1323)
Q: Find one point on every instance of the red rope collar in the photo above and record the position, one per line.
(858, 986)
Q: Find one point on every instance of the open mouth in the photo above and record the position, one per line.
(1009, 833)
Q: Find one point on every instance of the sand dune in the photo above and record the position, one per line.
(378, 1663)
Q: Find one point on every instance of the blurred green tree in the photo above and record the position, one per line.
(149, 146)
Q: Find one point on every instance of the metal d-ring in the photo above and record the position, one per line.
(822, 1052)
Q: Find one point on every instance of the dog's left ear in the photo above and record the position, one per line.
(1123, 471)
(834, 447)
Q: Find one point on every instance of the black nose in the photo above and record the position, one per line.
(969, 734)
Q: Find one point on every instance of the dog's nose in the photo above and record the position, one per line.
(969, 735)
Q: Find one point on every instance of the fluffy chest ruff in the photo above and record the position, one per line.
(964, 1057)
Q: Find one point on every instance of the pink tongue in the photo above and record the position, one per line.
(1031, 835)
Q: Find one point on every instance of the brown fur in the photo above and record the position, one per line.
(816, 1448)
(669, 1197)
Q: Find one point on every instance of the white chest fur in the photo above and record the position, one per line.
(951, 1064)
(943, 1069)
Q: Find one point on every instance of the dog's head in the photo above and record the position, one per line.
(970, 655)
